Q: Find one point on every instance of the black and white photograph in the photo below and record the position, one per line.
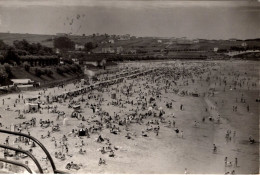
(129, 86)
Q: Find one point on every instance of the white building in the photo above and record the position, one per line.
(57, 51)
(124, 37)
(79, 47)
(244, 44)
(108, 50)
(111, 41)
(21, 81)
(119, 49)
(215, 49)
(196, 41)
(75, 60)
(132, 51)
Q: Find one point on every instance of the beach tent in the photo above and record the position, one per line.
(82, 132)
(32, 107)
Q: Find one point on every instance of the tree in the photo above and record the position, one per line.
(49, 73)
(34, 48)
(59, 70)
(89, 46)
(8, 70)
(63, 43)
(27, 67)
(3, 76)
(38, 72)
(23, 44)
(11, 56)
(3, 46)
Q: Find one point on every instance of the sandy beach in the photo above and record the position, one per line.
(218, 101)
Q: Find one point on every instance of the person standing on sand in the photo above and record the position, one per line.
(182, 134)
(181, 107)
(225, 161)
(185, 171)
(236, 162)
(214, 148)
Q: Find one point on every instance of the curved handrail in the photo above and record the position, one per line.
(24, 152)
(17, 164)
(36, 141)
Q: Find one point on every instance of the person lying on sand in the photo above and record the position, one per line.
(251, 140)
(214, 148)
(111, 154)
(128, 136)
(143, 134)
(101, 161)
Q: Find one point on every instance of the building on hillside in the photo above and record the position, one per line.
(203, 41)
(119, 50)
(232, 39)
(103, 42)
(24, 83)
(215, 49)
(196, 41)
(57, 51)
(108, 50)
(79, 47)
(183, 41)
(21, 81)
(124, 37)
(168, 43)
(129, 52)
(111, 41)
(75, 60)
(132, 51)
(244, 44)
(91, 62)
(159, 41)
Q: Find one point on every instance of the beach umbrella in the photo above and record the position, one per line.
(160, 108)
(150, 108)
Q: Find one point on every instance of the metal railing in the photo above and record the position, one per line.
(24, 152)
(17, 164)
(55, 171)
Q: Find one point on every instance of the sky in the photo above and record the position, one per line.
(164, 18)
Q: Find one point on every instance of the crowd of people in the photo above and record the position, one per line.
(68, 115)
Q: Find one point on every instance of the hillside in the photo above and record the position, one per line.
(9, 38)
(142, 45)
(19, 73)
